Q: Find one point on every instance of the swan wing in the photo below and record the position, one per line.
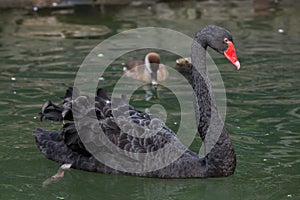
(100, 123)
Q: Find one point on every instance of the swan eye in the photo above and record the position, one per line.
(226, 40)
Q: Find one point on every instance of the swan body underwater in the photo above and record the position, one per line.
(66, 147)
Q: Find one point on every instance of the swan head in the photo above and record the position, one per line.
(220, 40)
(152, 61)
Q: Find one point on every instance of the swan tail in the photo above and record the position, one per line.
(66, 146)
(52, 145)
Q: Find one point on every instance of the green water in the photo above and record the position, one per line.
(263, 106)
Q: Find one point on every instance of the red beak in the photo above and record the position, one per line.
(230, 54)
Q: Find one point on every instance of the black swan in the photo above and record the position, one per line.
(67, 147)
(149, 70)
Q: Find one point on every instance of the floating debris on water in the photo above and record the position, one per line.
(54, 4)
(35, 8)
(101, 78)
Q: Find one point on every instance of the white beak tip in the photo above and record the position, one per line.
(238, 65)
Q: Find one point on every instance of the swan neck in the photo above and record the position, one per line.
(217, 145)
(201, 87)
